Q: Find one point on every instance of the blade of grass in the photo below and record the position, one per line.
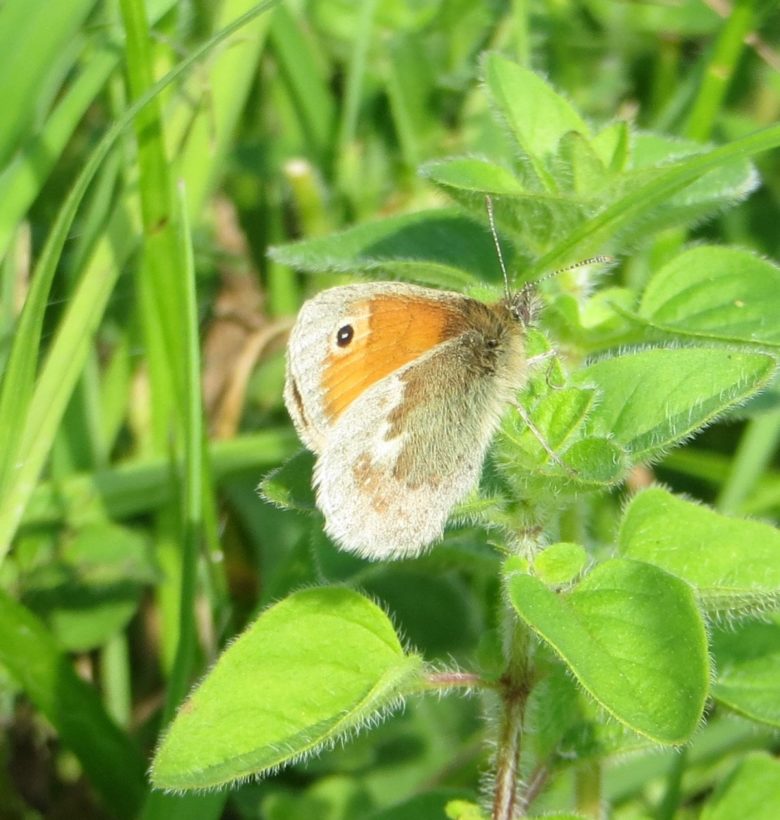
(206, 137)
(80, 443)
(308, 86)
(141, 486)
(354, 85)
(193, 472)
(594, 233)
(31, 655)
(163, 806)
(21, 180)
(754, 454)
(33, 35)
(720, 70)
(160, 278)
(20, 410)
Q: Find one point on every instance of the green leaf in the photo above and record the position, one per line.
(440, 247)
(579, 166)
(476, 175)
(628, 210)
(708, 193)
(632, 636)
(290, 486)
(536, 114)
(652, 398)
(713, 292)
(560, 563)
(747, 658)
(312, 668)
(559, 416)
(463, 810)
(93, 591)
(597, 463)
(752, 790)
(733, 564)
(612, 144)
(535, 217)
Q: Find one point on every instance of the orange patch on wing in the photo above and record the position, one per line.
(389, 333)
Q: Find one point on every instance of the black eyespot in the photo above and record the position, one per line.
(344, 335)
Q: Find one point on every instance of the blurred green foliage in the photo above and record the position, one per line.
(135, 276)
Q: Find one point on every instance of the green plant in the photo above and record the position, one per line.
(600, 653)
(150, 154)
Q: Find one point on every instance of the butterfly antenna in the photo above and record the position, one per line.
(497, 243)
(582, 263)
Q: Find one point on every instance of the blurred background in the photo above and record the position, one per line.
(129, 562)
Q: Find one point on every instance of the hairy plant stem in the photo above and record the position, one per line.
(453, 679)
(515, 686)
(588, 789)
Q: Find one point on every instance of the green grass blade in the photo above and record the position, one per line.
(307, 82)
(21, 180)
(354, 81)
(33, 35)
(30, 654)
(720, 70)
(192, 496)
(229, 75)
(594, 233)
(754, 454)
(141, 486)
(20, 411)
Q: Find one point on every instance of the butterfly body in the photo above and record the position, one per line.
(398, 390)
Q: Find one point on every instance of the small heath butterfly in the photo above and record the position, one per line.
(398, 390)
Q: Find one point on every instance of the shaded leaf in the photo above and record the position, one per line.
(30, 654)
(747, 658)
(440, 247)
(92, 592)
(752, 790)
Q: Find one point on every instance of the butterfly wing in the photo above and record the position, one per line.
(412, 446)
(390, 325)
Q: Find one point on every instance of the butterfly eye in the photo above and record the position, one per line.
(344, 335)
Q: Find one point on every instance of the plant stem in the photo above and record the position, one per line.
(515, 688)
(588, 788)
(535, 784)
(453, 679)
(507, 760)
